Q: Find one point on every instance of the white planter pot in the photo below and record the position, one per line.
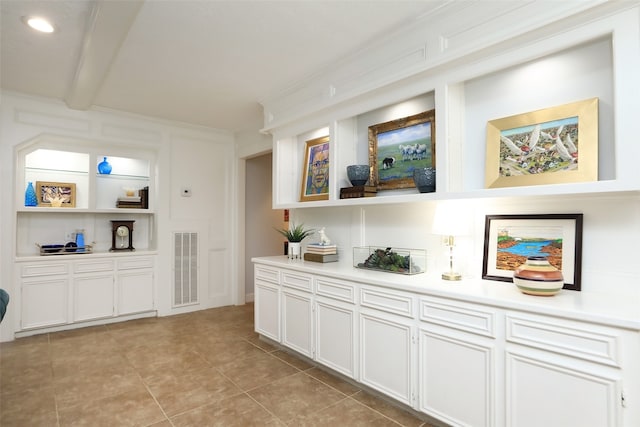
(294, 250)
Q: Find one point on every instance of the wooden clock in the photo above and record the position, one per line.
(122, 236)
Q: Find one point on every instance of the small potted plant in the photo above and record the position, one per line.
(295, 234)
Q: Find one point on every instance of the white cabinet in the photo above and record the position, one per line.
(93, 296)
(44, 296)
(68, 289)
(571, 370)
(387, 343)
(464, 360)
(134, 284)
(297, 312)
(457, 362)
(336, 325)
(267, 302)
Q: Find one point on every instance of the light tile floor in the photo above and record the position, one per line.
(206, 368)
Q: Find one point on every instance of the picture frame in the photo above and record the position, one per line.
(56, 194)
(398, 147)
(550, 146)
(315, 170)
(510, 239)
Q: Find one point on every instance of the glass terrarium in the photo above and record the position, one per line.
(390, 260)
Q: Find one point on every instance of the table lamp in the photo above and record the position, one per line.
(450, 220)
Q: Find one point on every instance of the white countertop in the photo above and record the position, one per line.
(613, 310)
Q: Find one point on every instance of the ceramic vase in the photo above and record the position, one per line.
(537, 277)
(104, 167)
(30, 198)
(294, 250)
(358, 174)
(425, 179)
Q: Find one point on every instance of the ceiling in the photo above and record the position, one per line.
(205, 62)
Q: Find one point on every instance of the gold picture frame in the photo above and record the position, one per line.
(390, 159)
(56, 194)
(551, 146)
(315, 170)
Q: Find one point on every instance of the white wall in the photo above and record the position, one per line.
(202, 159)
(609, 254)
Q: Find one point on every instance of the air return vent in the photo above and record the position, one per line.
(185, 266)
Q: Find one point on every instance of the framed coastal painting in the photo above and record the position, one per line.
(551, 146)
(56, 194)
(315, 170)
(510, 239)
(398, 147)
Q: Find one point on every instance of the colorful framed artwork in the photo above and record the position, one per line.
(398, 147)
(315, 170)
(510, 239)
(56, 194)
(551, 146)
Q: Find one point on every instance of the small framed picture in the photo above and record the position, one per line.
(551, 146)
(56, 194)
(398, 147)
(510, 239)
(315, 170)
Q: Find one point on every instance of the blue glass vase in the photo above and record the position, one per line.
(104, 167)
(30, 198)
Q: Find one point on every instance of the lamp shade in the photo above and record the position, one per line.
(451, 219)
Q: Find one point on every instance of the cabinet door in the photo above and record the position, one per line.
(135, 291)
(544, 389)
(266, 308)
(336, 336)
(297, 321)
(44, 302)
(387, 354)
(93, 297)
(457, 373)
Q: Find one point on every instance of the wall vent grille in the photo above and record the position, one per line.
(185, 279)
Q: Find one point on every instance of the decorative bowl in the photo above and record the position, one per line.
(425, 179)
(358, 174)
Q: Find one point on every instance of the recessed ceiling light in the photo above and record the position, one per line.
(38, 23)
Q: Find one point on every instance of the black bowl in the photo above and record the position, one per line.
(70, 247)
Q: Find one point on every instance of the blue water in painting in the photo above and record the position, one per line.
(527, 248)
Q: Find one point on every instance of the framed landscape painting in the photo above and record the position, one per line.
(510, 239)
(398, 147)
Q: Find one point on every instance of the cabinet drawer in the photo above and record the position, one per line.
(265, 273)
(458, 315)
(335, 289)
(93, 265)
(297, 281)
(598, 344)
(135, 262)
(44, 269)
(392, 302)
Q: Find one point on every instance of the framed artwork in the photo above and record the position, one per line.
(398, 147)
(315, 170)
(550, 146)
(56, 194)
(510, 239)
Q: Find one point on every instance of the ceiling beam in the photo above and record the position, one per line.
(107, 27)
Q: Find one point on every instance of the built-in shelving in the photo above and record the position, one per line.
(466, 95)
(50, 158)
